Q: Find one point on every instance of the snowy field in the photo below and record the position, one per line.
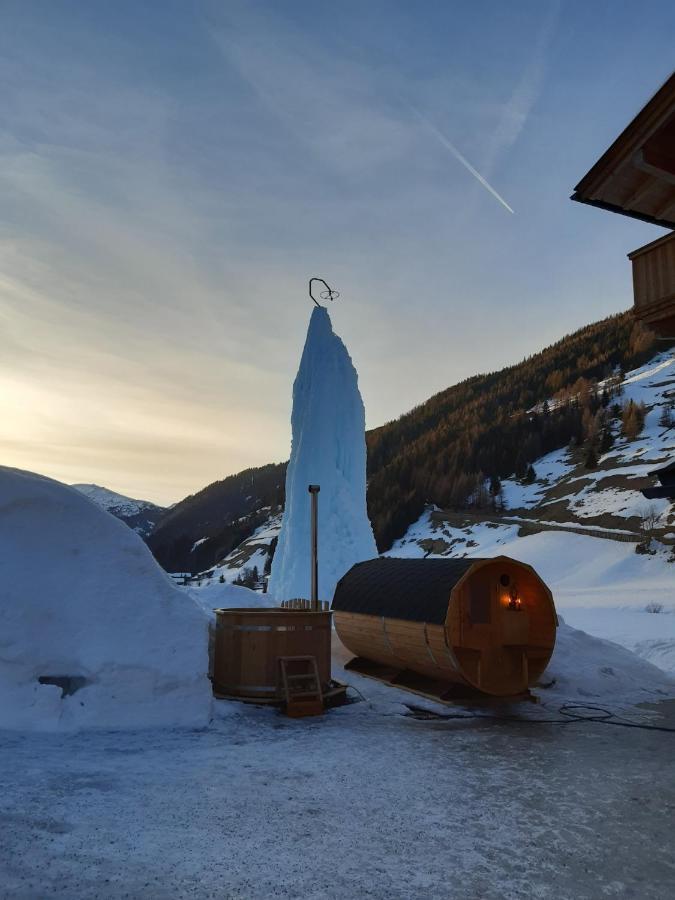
(365, 801)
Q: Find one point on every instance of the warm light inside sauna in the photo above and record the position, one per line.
(513, 600)
(510, 597)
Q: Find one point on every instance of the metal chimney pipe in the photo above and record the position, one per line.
(314, 492)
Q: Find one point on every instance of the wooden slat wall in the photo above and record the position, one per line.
(248, 644)
(654, 273)
(396, 643)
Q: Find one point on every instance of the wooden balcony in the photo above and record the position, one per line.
(654, 285)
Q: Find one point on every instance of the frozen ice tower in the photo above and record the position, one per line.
(328, 449)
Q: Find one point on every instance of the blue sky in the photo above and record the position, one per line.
(172, 173)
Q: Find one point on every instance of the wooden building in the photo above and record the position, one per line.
(636, 177)
(666, 488)
(447, 626)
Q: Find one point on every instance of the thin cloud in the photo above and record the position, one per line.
(328, 104)
(519, 106)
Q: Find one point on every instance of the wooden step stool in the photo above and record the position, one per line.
(300, 686)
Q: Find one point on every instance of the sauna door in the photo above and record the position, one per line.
(479, 610)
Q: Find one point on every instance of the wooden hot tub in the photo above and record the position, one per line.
(249, 642)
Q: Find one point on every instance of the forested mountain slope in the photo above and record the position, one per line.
(492, 426)
(206, 526)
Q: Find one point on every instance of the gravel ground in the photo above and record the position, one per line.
(359, 803)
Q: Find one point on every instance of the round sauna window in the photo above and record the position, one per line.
(505, 580)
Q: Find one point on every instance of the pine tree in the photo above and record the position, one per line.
(521, 466)
(496, 493)
(267, 568)
(633, 419)
(591, 456)
(666, 419)
(248, 577)
(606, 439)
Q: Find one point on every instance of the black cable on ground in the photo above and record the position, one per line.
(351, 687)
(598, 715)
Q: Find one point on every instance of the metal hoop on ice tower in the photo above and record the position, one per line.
(328, 294)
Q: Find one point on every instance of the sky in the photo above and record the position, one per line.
(171, 175)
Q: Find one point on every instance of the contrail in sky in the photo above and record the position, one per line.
(455, 152)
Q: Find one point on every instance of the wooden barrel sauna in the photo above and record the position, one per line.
(476, 624)
(249, 642)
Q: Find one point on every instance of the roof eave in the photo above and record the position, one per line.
(664, 223)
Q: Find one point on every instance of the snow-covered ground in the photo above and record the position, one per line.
(550, 469)
(365, 801)
(369, 800)
(213, 594)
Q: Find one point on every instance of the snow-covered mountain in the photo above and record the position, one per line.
(563, 493)
(202, 529)
(249, 563)
(140, 515)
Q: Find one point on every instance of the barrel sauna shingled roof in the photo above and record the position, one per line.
(414, 589)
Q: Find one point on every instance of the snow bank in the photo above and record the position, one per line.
(587, 669)
(215, 595)
(583, 670)
(82, 599)
(648, 634)
(329, 449)
(582, 569)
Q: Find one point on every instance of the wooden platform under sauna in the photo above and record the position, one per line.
(460, 626)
